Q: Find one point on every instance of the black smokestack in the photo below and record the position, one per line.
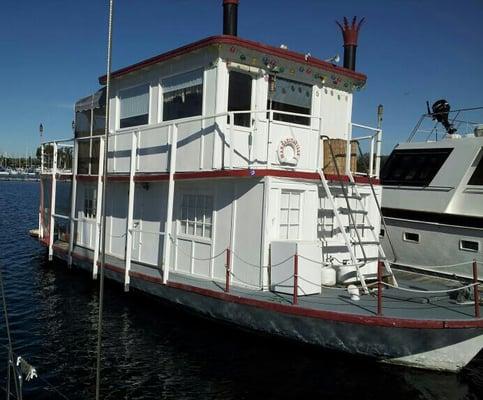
(350, 34)
(230, 17)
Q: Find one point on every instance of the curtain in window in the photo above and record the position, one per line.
(182, 81)
(134, 101)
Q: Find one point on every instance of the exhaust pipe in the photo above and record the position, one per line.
(350, 34)
(230, 17)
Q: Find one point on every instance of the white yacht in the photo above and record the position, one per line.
(433, 194)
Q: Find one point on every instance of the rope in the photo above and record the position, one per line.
(261, 266)
(431, 291)
(436, 266)
(193, 257)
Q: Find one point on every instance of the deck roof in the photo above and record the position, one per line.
(235, 40)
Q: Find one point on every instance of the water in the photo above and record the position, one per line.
(154, 351)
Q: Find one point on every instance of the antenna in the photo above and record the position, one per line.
(427, 106)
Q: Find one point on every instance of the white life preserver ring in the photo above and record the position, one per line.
(288, 151)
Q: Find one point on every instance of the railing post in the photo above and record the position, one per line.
(52, 201)
(295, 278)
(130, 212)
(348, 154)
(371, 159)
(232, 122)
(169, 213)
(476, 292)
(98, 223)
(73, 201)
(228, 270)
(379, 288)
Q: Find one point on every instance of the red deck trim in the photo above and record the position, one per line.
(87, 178)
(237, 41)
(381, 321)
(232, 173)
(241, 173)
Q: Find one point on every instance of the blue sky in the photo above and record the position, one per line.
(52, 52)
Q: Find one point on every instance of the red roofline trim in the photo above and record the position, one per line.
(234, 40)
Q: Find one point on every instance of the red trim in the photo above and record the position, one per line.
(300, 311)
(90, 178)
(231, 2)
(236, 41)
(241, 173)
(64, 177)
(331, 315)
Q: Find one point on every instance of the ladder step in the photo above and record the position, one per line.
(371, 258)
(359, 226)
(349, 196)
(366, 242)
(345, 211)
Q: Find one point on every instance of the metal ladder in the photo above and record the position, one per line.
(375, 241)
(387, 264)
(342, 227)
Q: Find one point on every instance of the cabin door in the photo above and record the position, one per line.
(147, 241)
(239, 131)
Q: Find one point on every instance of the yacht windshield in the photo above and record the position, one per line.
(413, 167)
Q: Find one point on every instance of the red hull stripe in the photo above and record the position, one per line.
(380, 321)
(236, 41)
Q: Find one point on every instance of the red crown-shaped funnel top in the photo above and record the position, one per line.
(350, 32)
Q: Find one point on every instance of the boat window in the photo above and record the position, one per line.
(196, 215)
(411, 237)
(90, 200)
(83, 123)
(240, 97)
(382, 233)
(134, 106)
(182, 95)
(413, 167)
(477, 177)
(292, 97)
(84, 156)
(289, 214)
(469, 245)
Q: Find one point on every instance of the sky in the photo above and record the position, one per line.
(53, 51)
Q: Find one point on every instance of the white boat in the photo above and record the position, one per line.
(433, 194)
(231, 191)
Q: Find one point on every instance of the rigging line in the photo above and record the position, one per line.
(9, 337)
(431, 291)
(103, 208)
(50, 385)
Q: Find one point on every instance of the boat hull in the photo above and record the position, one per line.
(427, 345)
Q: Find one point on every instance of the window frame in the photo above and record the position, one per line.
(90, 194)
(406, 239)
(291, 123)
(478, 169)
(287, 223)
(253, 96)
(161, 93)
(461, 247)
(392, 164)
(118, 105)
(184, 233)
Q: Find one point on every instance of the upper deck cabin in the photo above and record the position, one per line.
(234, 104)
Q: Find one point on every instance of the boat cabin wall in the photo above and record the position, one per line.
(199, 84)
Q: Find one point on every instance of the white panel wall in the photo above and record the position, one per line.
(336, 111)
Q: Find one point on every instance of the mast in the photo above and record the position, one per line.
(103, 209)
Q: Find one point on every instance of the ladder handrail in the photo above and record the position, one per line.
(378, 205)
(342, 229)
(344, 192)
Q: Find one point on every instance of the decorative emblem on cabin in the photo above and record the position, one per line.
(288, 151)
